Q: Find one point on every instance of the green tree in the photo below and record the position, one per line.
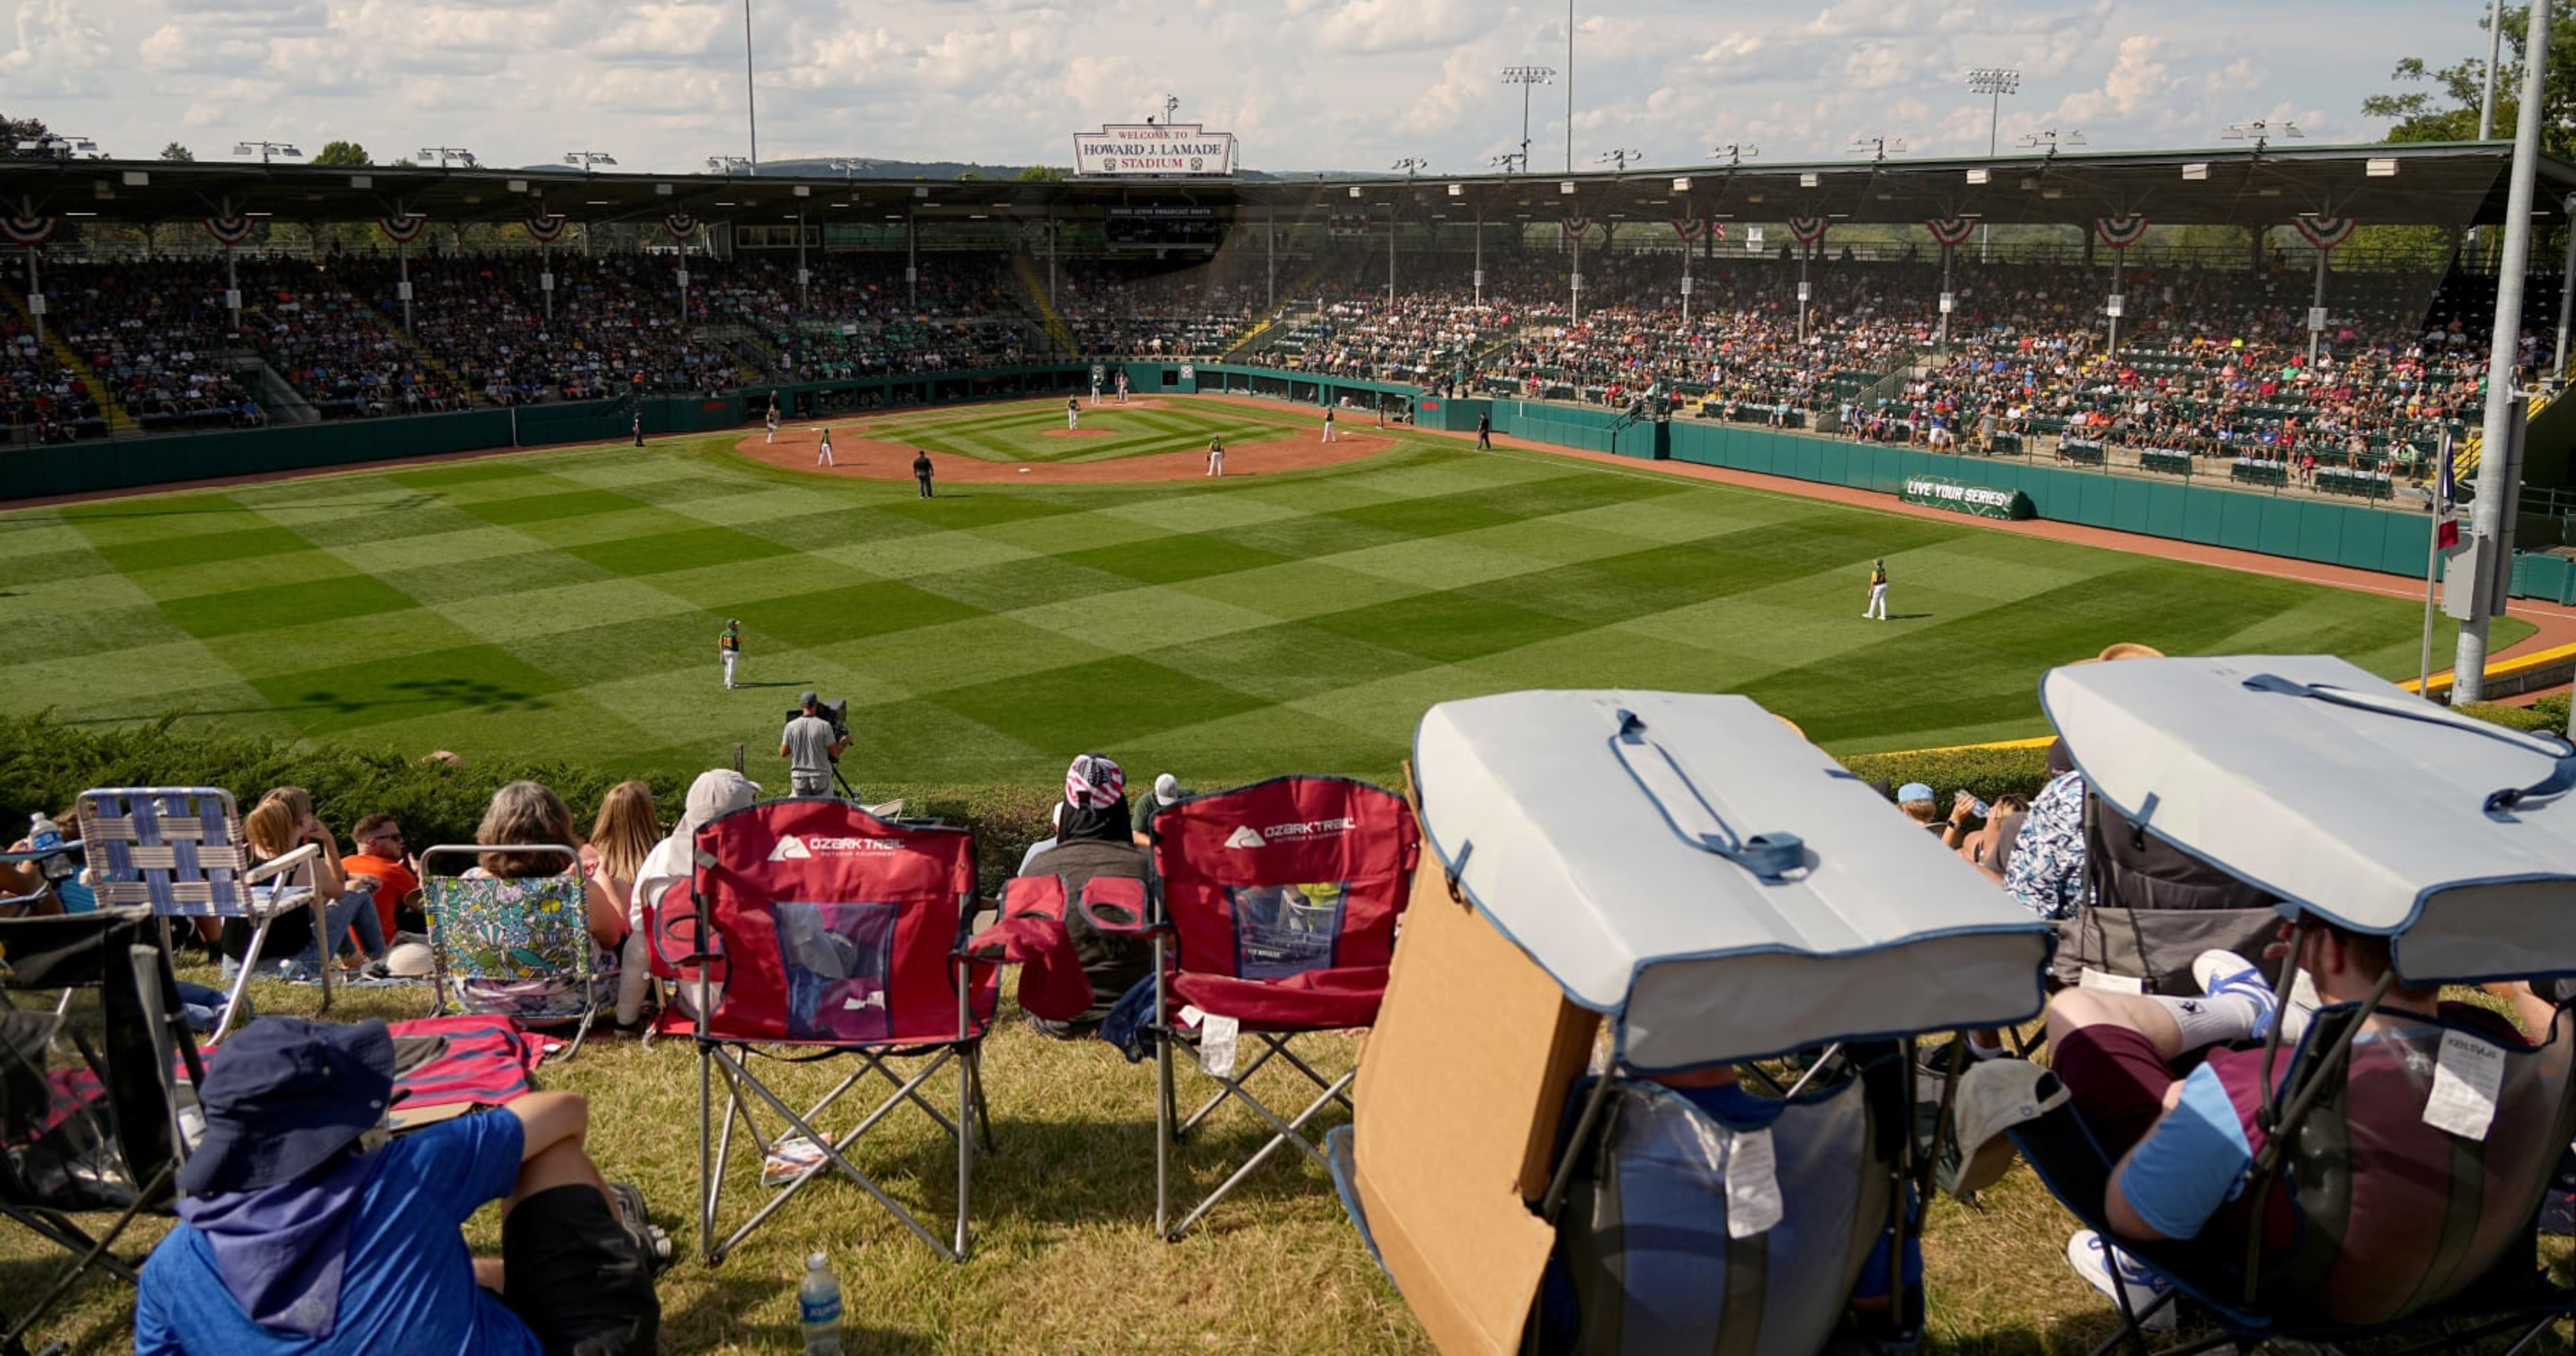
(1040, 174)
(2442, 104)
(343, 155)
(16, 130)
(178, 154)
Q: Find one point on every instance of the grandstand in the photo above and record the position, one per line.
(2314, 310)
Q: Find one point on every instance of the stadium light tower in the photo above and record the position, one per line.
(1525, 77)
(1411, 166)
(589, 160)
(270, 150)
(2051, 138)
(750, 93)
(1879, 148)
(60, 146)
(1510, 160)
(2261, 131)
(850, 168)
(1994, 82)
(445, 154)
(1620, 158)
(1734, 153)
(729, 165)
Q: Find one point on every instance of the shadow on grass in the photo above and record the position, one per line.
(721, 1303)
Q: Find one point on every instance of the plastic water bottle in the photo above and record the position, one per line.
(43, 833)
(818, 1307)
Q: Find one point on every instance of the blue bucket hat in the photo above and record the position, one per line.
(1913, 791)
(284, 1097)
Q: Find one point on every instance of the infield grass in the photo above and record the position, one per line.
(566, 604)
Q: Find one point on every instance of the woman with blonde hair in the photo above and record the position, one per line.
(282, 822)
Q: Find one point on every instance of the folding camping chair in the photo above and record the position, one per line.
(1618, 856)
(1273, 913)
(179, 850)
(2359, 805)
(517, 947)
(90, 1100)
(814, 930)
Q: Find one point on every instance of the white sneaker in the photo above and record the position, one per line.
(2222, 974)
(2094, 1260)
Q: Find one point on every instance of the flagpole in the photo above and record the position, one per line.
(2442, 505)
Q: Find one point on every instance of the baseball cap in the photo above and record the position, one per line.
(1094, 780)
(1995, 1096)
(810, 699)
(285, 1095)
(1913, 791)
(1168, 788)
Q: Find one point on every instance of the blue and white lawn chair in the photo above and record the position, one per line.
(179, 851)
(1689, 876)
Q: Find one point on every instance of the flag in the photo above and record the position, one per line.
(1717, 231)
(2446, 501)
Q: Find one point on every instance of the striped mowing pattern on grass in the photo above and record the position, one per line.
(1020, 432)
(566, 604)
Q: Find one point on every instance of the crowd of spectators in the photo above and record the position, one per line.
(41, 399)
(158, 339)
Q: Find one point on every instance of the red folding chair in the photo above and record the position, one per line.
(1274, 915)
(816, 930)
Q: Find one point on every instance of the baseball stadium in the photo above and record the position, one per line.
(1326, 496)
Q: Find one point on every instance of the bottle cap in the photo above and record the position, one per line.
(816, 1261)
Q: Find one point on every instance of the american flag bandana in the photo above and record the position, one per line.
(1094, 782)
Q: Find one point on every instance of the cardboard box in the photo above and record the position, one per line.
(1457, 1105)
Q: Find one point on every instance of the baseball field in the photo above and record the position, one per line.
(1067, 590)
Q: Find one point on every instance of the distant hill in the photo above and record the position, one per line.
(932, 171)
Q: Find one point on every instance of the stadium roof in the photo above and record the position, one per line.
(2243, 185)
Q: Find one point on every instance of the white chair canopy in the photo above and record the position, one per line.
(1592, 851)
(2342, 795)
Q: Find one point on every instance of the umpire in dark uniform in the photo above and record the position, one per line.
(921, 472)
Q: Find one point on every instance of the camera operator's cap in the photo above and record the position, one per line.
(810, 699)
(1913, 791)
(283, 1096)
(1995, 1096)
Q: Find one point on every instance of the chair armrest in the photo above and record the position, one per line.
(1118, 919)
(280, 865)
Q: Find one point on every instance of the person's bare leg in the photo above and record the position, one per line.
(2074, 1009)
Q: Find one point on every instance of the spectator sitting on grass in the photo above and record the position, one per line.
(671, 862)
(303, 1228)
(282, 822)
(381, 854)
(1167, 791)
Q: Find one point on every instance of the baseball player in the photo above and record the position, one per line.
(1072, 414)
(773, 417)
(1877, 592)
(729, 645)
(1122, 386)
(1216, 456)
(823, 451)
(1328, 423)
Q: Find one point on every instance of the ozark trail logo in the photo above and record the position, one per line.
(790, 849)
(1250, 837)
(794, 849)
(1246, 837)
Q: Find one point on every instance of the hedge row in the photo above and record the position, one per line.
(45, 764)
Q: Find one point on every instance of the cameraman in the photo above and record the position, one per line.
(811, 745)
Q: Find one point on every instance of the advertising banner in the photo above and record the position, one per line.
(1984, 501)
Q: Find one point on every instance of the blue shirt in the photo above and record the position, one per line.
(410, 1281)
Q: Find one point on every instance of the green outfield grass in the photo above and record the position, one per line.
(566, 604)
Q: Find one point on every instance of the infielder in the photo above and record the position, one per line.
(773, 419)
(1328, 423)
(823, 451)
(1216, 456)
(1072, 414)
(1122, 386)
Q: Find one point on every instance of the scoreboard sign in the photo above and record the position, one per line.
(1180, 150)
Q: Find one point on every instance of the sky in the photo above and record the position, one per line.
(1304, 84)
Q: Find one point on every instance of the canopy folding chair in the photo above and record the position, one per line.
(518, 947)
(179, 851)
(2359, 805)
(815, 930)
(90, 1098)
(1273, 915)
(1689, 872)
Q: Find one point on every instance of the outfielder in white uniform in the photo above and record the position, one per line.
(1877, 592)
(729, 644)
(1216, 456)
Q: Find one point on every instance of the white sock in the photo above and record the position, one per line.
(2210, 1021)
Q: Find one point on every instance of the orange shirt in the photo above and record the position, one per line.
(398, 880)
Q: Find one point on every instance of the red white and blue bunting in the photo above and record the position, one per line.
(1576, 227)
(1950, 232)
(2324, 232)
(2121, 232)
(228, 230)
(546, 229)
(681, 225)
(1808, 230)
(1689, 229)
(404, 227)
(29, 231)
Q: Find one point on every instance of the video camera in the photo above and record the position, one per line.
(836, 714)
